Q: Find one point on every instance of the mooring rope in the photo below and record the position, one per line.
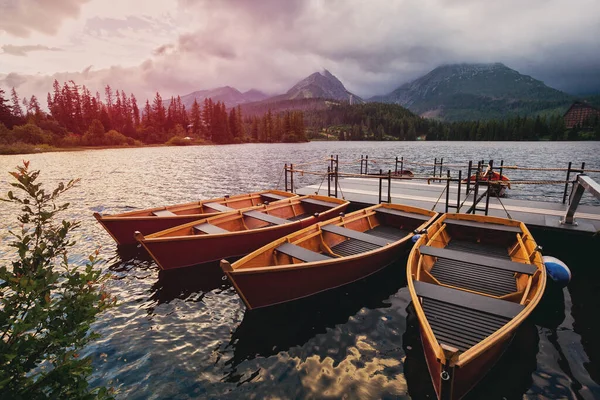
(437, 201)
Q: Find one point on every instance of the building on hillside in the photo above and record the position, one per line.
(581, 114)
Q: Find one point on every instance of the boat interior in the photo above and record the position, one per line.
(474, 277)
(282, 212)
(357, 233)
(224, 204)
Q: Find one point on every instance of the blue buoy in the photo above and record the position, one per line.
(415, 238)
(557, 270)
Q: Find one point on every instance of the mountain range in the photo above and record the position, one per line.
(231, 97)
(450, 92)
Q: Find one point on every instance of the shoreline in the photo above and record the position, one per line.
(39, 149)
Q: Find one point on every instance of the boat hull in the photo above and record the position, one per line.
(473, 281)
(461, 379)
(185, 251)
(269, 287)
(122, 229)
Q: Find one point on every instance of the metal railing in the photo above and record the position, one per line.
(580, 185)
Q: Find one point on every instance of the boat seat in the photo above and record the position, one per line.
(349, 233)
(209, 228)
(273, 196)
(266, 217)
(301, 253)
(163, 213)
(319, 203)
(471, 258)
(218, 207)
(489, 305)
(391, 211)
(483, 225)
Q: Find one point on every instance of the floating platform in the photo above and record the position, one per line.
(536, 214)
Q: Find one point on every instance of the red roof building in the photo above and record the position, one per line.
(581, 114)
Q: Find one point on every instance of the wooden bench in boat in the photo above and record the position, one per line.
(273, 196)
(209, 228)
(163, 213)
(266, 217)
(471, 258)
(319, 203)
(349, 233)
(391, 211)
(502, 308)
(301, 253)
(218, 207)
(483, 225)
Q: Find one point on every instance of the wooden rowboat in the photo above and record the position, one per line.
(473, 280)
(497, 183)
(122, 226)
(326, 255)
(237, 233)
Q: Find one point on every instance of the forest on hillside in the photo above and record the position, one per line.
(77, 118)
(379, 121)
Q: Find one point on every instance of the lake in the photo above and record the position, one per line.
(186, 334)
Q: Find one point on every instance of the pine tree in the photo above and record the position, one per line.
(135, 110)
(6, 116)
(196, 120)
(16, 106)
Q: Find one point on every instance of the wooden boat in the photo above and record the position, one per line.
(473, 280)
(122, 226)
(326, 255)
(498, 183)
(237, 233)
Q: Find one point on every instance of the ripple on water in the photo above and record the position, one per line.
(185, 334)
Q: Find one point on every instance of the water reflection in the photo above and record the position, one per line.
(268, 331)
(189, 284)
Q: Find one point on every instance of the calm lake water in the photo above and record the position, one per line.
(186, 334)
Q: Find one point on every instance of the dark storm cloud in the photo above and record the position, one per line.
(371, 46)
(21, 17)
(23, 50)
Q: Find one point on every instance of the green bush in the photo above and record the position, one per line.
(46, 305)
(114, 138)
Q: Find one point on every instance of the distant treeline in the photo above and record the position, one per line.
(78, 118)
(379, 121)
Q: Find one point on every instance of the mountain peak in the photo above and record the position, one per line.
(228, 95)
(474, 91)
(321, 85)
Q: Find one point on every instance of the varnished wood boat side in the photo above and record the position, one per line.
(262, 285)
(470, 366)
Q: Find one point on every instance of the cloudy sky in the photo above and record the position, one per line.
(372, 46)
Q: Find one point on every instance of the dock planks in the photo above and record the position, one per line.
(540, 214)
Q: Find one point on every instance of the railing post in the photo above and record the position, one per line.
(567, 183)
(366, 165)
(336, 176)
(361, 160)
(380, 183)
(402, 166)
(389, 186)
(447, 189)
(292, 177)
(328, 182)
(434, 167)
(458, 195)
(469, 173)
(285, 179)
(331, 163)
(396, 168)
(441, 166)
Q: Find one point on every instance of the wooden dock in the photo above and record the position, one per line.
(543, 215)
